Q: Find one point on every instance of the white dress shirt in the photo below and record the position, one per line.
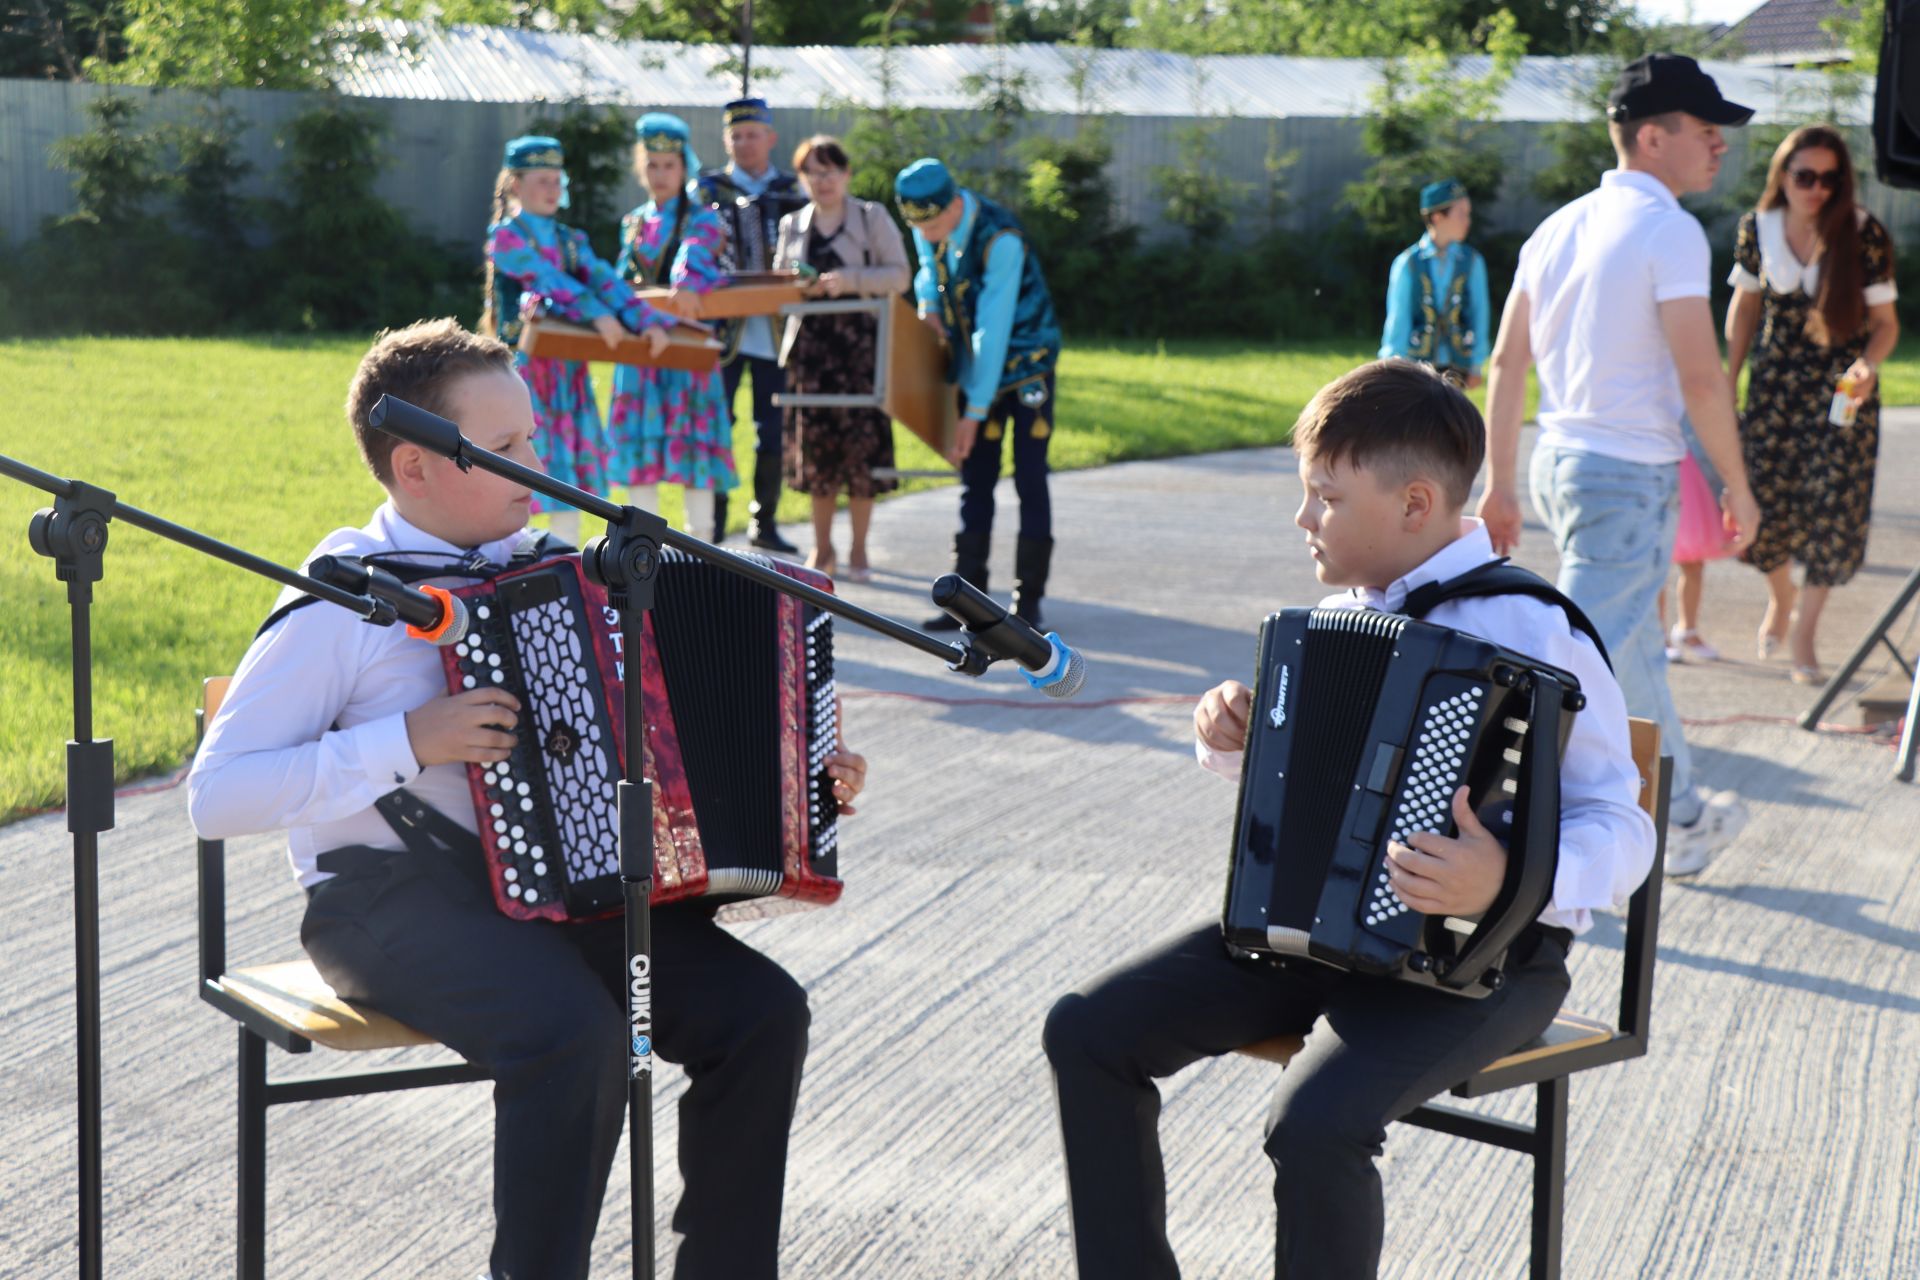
(1606, 839)
(1594, 274)
(313, 729)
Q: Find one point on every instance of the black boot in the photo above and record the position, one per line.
(719, 517)
(1031, 559)
(761, 530)
(970, 562)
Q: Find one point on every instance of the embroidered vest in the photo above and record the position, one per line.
(1035, 343)
(644, 272)
(1439, 322)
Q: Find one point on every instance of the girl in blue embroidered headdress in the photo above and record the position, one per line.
(672, 425)
(536, 266)
(1437, 309)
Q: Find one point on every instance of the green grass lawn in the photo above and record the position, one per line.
(245, 440)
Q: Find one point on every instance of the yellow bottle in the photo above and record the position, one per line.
(1844, 405)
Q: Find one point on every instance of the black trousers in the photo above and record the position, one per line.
(1031, 427)
(769, 380)
(1375, 1050)
(540, 1006)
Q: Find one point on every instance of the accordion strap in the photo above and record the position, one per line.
(422, 828)
(1500, 578)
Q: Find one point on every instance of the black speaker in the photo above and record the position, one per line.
(1896, 99)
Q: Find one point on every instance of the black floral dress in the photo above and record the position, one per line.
(830, 450)
(1813, 480)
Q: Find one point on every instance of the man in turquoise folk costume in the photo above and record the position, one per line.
(1437, 308)
(981, 287)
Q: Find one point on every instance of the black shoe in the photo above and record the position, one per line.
(761, 530)
(765, 536)
(719, 517)
(1032, 560)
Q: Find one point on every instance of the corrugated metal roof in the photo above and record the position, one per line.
(500, 64)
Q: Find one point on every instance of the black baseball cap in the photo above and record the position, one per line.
(1661, 82)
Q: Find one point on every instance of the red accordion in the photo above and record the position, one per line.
(741, 717)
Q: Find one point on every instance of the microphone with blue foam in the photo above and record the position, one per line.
(1050, 666)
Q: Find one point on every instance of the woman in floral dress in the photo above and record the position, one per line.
(856, 250)
(672, 425)
(1813, 278)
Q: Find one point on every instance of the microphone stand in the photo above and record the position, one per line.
(625, 561)
(73, 534)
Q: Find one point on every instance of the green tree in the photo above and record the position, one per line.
(114, 265)
(1100, 24)
(52, 39)
(1857, 28)
(343, 258)
(1430, 121)
(236, 44)
(1386, 28)
(788, 22)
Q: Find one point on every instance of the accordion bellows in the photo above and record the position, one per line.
(738, 683)
(1363, 726)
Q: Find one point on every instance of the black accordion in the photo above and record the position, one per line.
(739, 696)
(1363, 726)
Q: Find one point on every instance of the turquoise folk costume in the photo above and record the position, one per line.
(672, 425)
(1438, 310)
(540, 267)
(992, 299)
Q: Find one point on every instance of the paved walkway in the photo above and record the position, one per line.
(1009, 848)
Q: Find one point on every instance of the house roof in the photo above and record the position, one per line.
(1787, 28)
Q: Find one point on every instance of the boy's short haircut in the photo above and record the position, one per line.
(1399, 420)
(418, 364)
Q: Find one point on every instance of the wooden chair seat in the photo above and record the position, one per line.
(289, 1005)
(295, 996)
(1569, 1031)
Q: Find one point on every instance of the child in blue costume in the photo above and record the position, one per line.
(536, 266)
(981, 288)
(1437, 307)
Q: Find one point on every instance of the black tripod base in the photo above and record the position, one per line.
(1904, 764)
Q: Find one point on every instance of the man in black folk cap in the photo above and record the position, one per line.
(1610, 304)
(751, 194)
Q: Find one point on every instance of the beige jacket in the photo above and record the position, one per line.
(868, 236)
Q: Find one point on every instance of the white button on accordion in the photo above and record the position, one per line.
(740, 719)
(1363, 726)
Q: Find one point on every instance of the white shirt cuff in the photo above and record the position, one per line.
(1741, 278)
(387, 751)
(1225, 763)
(1882, 293)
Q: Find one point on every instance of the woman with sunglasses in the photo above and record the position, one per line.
(1813, 281)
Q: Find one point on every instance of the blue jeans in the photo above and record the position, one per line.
(1613, 522)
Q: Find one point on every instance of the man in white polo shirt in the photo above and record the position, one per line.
(1610, 304)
